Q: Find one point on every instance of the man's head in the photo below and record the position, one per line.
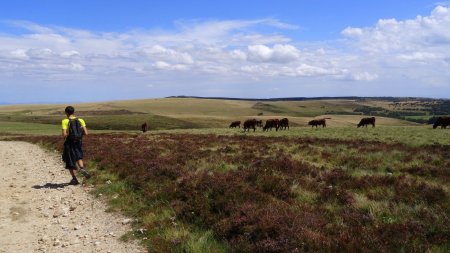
(69, 110)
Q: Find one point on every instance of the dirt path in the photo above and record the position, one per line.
(39, 212)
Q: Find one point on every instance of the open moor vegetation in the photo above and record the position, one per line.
(213, 193)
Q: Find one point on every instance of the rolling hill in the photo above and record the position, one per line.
(195, 112)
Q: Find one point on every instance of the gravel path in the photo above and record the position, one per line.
(39, 212)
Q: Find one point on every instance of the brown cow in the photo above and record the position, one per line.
(284, 123)
(316, 122)
(442, 121)
(250, 123)
(144, 127)
(367, 121)
(271, 123)
(235, 124)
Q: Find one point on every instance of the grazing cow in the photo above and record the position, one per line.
(316, 122)
(367, 121)
(144, 127)
(271, 123)
(235, 124)
(250, 123)
(259, 123)
(284, 123)
(442, 121)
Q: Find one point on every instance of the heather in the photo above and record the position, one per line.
(198, 193)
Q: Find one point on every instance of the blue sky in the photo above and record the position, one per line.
(143, 49)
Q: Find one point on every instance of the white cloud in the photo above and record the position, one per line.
(418, 56)
(20, 54)
(68, 54)
(77, 67)
(404, 36)
(308, 70)
(161, 65)
(238, 54)
(159, 52)
(278, 53)
(40, 53)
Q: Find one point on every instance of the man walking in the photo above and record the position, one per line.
(73, 129)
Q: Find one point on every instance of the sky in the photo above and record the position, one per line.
(80, 51)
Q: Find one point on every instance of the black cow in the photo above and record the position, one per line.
(367, 121)
(144, 127)
(235, 124)
(284, 123)
(271, 123)
(317, 122)
(442, 121)
(250, 123)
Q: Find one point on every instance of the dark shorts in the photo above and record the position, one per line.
(73, 152)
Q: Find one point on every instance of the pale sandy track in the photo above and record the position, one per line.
(40, 213)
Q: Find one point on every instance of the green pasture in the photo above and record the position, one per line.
(210, 116)
(28, 128)
(23, 128)
(411, 135)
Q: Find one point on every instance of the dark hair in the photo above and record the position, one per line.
(69, 110)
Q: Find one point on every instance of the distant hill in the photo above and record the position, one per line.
(393, 99)
(216, 112)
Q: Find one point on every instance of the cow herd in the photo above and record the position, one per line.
(283, 124)
(278, 124)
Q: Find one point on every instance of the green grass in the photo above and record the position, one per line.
(122, 197)
(29, 128)
(411, 135)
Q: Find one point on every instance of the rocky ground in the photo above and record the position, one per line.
(40, 212)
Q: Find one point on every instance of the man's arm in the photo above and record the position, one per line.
(64, 132)
(85, 130)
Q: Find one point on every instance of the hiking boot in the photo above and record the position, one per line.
(85, 173)
(74, 181)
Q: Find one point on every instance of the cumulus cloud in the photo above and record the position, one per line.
(162, 53)
(403, 36)
(278, 53)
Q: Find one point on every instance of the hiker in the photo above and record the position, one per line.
(73, 129)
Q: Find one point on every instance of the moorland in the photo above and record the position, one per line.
(194, 185)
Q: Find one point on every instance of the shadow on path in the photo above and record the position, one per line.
(50, 186)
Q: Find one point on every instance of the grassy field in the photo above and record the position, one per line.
(184, 113)
(412, 135)
(194, 185)
(409, 135)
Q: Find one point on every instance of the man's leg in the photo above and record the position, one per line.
(82, 170)
(74, 180)
(72, 172)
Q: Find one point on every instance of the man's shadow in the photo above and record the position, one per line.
(50, 186)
